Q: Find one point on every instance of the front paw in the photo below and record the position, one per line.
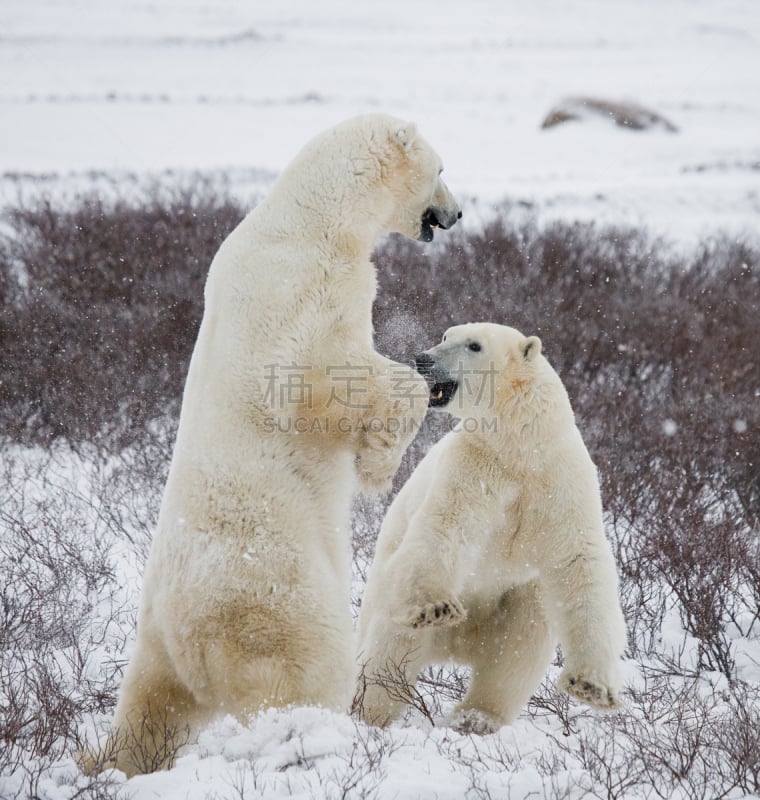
(440, 613)
(370, 483)
(378, 461)
(376, 466)
(590, 690)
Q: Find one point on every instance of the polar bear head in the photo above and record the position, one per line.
(480, 367)
(412, 170)
(371, 175)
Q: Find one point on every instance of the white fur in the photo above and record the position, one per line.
(245, 599)
(494, 549)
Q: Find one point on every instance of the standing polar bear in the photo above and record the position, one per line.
(246, 593)
(494, 548)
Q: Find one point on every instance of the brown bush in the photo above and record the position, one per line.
(101, 305)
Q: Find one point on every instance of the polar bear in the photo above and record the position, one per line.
(287, 411)
(494, 549)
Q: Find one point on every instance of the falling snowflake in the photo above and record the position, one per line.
(669, 427)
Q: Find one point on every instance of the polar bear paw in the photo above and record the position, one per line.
(378, 461)
(589, 690)
(442, 613)
(472, 721)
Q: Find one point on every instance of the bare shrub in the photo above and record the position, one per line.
(548, 700)
(101, 305)
(677, 740)
(443, 684)
(427, 694)
(392, 676)
(153, 744)
(53, 572)
(65, 615)
(364, 768)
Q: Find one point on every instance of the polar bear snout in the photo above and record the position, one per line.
(444, 217)
(440, 381)
(424, 364)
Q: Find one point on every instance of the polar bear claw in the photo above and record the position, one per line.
(438, 614)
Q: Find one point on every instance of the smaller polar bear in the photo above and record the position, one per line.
(494, 549)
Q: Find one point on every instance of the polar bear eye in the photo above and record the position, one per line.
(474, 346)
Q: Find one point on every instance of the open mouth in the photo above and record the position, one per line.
(428, 225)
(434, 218)
(441, 393)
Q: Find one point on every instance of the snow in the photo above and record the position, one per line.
(99, 91)
(142, 88)
(313, 753)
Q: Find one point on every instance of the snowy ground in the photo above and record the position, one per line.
(97, 92)
(129, 88)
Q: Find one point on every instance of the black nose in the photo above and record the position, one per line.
(459, 215)
(424, 363)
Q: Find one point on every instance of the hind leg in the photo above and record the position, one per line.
(509, 648)
(155, 716)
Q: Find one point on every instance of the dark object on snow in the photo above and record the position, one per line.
(623, 113)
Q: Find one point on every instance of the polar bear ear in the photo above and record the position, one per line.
(406, 135)
(530, 348)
